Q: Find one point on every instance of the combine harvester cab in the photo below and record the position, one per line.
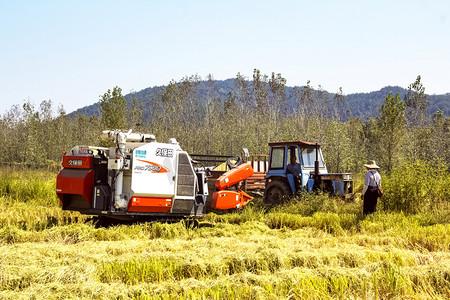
(139, 178)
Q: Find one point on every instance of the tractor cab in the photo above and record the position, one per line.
(296, 166)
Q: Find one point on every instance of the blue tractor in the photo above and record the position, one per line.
(299, 166)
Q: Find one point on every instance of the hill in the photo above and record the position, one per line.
(363, 105)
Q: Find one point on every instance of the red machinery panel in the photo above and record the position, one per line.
(75, 181)
(229, 199)
(234, 176)
(77, 161)
(149, 204)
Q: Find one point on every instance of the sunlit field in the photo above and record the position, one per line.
(313, 247)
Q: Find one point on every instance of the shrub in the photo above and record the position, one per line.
(417, 187)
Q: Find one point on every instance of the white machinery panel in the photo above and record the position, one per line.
(154, 170)
(118, 164)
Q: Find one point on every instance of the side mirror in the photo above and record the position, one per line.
(245, 152)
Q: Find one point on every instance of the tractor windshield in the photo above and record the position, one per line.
(309, 157)
(277, 158)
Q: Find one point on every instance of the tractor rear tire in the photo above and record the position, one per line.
(276, 193)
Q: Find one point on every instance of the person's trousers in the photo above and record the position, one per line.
(370, 200)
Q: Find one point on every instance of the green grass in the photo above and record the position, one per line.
(31, 186)
(312, 247)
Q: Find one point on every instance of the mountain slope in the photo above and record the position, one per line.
(358, 104)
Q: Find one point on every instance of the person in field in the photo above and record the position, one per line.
(372, 183)
(295, 169)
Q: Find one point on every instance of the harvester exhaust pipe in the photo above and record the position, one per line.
(316, 170)
(119, 201)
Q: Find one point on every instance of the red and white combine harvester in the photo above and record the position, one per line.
(140, 178)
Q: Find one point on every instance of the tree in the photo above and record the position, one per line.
(391, 125)
(135, 114)
(113, 108)
(356, 144)
(278, 105)
(339, 98)
(260, 91)
(14, 134)
(340, 104)
(306, 98)
(296, 99)
(189, 112)
(416, 103)
(263, 126)
(244, 115)
(36, 151)
(242, 92)
(212, 118)
(439, 139)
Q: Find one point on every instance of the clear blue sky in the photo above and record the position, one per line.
(73, 51)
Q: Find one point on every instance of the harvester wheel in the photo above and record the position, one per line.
(276, 192)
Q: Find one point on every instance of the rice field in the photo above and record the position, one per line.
(311, 248)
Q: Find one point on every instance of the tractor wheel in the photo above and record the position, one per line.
(276, 192)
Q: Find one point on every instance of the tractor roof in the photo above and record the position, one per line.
(295, 143)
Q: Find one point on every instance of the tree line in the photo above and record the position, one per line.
(254, 113)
